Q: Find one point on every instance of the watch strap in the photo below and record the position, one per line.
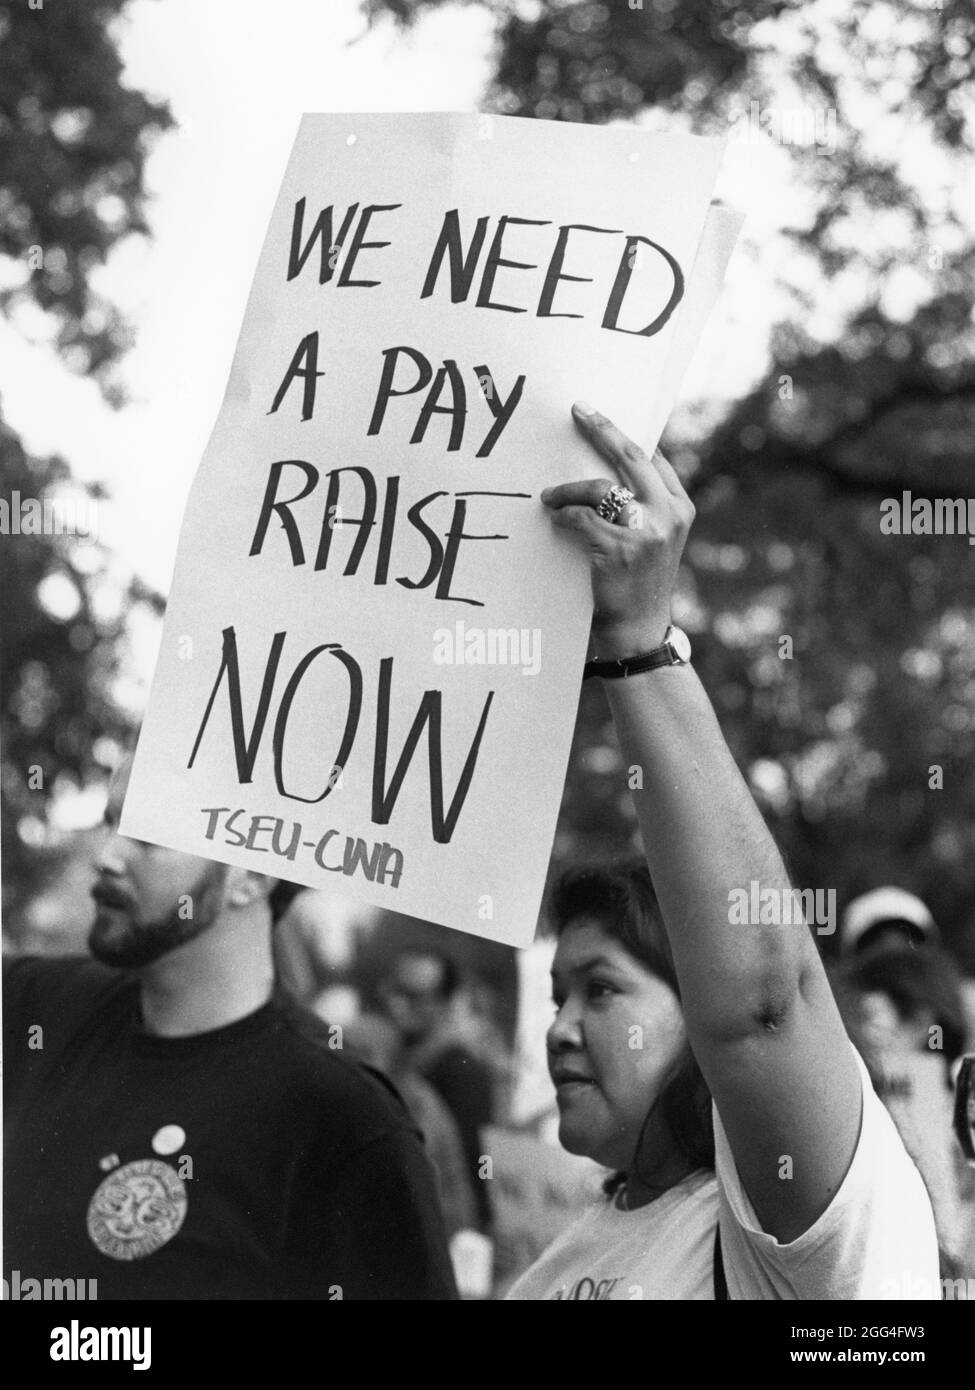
(625, 666)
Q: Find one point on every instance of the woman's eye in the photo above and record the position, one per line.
(598, 989)
(557, 1003)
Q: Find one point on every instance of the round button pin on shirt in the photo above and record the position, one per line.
(168, 1139)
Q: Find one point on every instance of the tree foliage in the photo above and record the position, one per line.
(73, 145)
(857, 733)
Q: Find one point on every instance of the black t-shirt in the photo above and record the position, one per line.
(465, 1084)
(246, 1162)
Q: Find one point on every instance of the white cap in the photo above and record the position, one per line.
(884, 905)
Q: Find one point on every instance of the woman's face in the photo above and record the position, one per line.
(616, 1037)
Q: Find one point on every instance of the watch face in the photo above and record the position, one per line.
(680, 642)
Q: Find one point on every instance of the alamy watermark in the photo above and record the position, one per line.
(756, 906)
(24, 1288)
(802, 126)
(908, 1285)
(51, 516)
(77, 1343)
(490, 646)
(926, 516)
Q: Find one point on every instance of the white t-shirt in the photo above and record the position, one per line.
(876, 1239)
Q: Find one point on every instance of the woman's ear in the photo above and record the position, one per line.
(246, 886)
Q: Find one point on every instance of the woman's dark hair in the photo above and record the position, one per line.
(620, 898)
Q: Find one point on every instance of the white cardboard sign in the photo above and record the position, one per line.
(371, 659)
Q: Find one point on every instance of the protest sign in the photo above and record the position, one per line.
(371, 658)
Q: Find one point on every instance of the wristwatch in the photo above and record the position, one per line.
(674, 651)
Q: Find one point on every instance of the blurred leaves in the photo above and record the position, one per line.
(73, 144)
(61, 662)
(841, 728)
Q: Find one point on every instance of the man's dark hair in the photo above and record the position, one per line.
(281, 896)
(621, 900)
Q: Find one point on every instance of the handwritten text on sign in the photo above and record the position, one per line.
(372, 623)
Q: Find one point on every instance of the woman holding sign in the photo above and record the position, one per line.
(697, 1049)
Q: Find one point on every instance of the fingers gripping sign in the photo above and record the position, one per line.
(635, 557)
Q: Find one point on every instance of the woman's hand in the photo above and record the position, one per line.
(634, 560)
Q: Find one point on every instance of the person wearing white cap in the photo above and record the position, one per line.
(886, 916)
(910, 1018)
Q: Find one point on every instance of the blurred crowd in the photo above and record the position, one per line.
(445, 1037)
(458, 1026)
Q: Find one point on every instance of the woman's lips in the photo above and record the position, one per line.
(571, 1090)
(570, 1080)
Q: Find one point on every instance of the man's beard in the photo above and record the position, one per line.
(117, 938)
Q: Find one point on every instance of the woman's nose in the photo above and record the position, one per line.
(565, 1030)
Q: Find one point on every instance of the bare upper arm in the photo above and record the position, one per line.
(789, 1097)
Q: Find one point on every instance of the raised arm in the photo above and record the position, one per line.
(758, 1008)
